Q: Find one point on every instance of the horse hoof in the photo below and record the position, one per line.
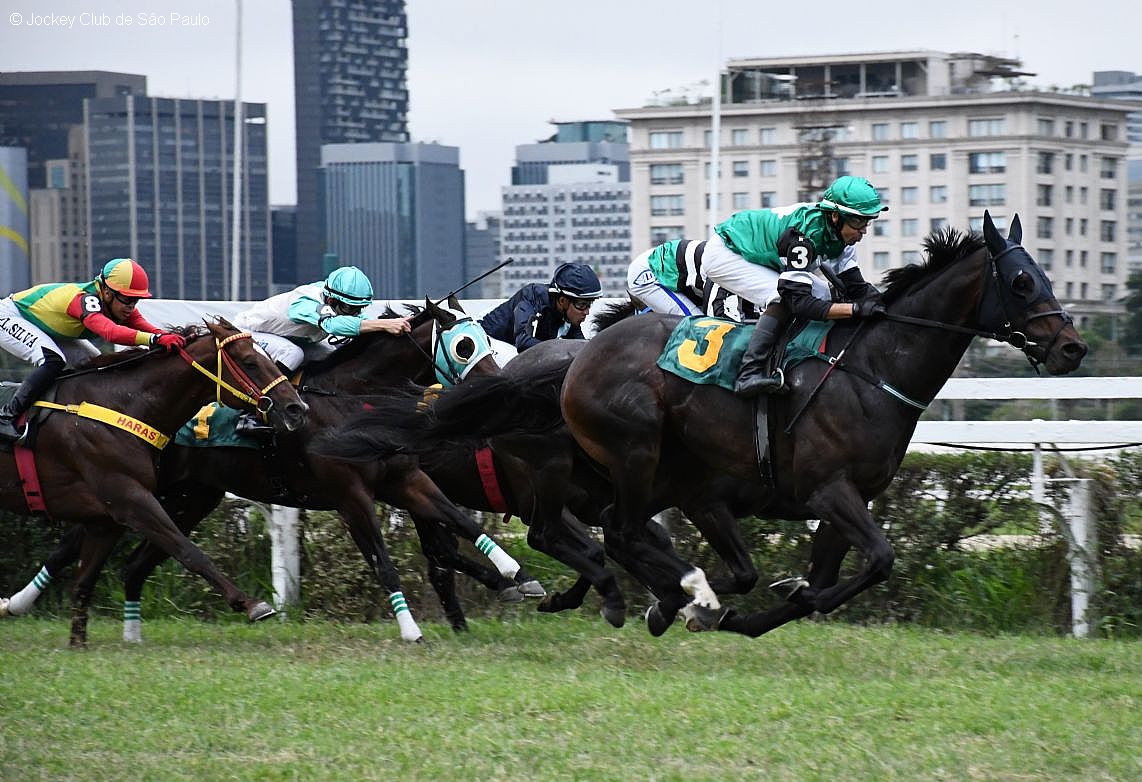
(510, 594)
(656, 623)
(789, 587)
(460, 627)
(700, 618)
(3, 606)
(531, 588)
(260, 611)
(548, 605)
(616, 617)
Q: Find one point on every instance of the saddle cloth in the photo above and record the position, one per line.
(709, 351)
(214, 426)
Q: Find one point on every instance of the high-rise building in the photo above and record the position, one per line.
(58, 218)
(159, 179)
(283, 232)
(1127, 86)
(37, 109)
(591, 141)
(943, 136)
(397, 212)
(13, 219)
(482, 252)
(350, 64)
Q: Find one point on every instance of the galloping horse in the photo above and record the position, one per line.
(837, 439)
(444, 345)
(96, 449)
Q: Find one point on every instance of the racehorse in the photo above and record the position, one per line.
(96, 448)
(836, 439)
(444, 345)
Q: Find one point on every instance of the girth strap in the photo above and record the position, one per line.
(113, 418)
(486, 466)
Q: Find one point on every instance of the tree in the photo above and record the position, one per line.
(1131, 334)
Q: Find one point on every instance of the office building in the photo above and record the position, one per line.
(482, 253)
(591, 141)
(13, 220)
(350, 64)
(58, 218)
(944, 136)
(397, 212)
(283, 235)
(159, 179)
(1127, 86)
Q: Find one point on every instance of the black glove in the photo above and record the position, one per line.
(796, 249)
(868, 308)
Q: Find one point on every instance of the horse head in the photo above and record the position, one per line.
(1020, 305)
(246, 377)
(456, 342)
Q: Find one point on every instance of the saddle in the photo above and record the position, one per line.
(35, 416)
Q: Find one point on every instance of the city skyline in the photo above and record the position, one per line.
(487, 78)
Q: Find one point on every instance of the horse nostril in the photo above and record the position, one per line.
(1075, 350)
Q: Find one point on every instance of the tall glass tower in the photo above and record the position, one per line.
(350, 83)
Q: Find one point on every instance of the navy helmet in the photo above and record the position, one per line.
(577, 280)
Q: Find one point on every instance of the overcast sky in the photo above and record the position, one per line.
(485, 75)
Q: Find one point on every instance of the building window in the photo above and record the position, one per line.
(1046, 163)
(909, 227)
(1045, 256)
(976, 223)
(987, 162)
(938, 194)
(909, 130)
(880, 164)
(1083, 130)
(841, 166)
(1082, 226)
(660, 234)
(768, 135)
(1108, 168)
(769, 168)
(1082, 164)
(665, 139)
(1068, 161)
(987, 195)
(708, 139)
(665, 173)
(880, 260)
(741, 168)
(768, 199)
(1106, 199)
(1083, 195)
(1109, 132)
(1109, 291)
(1069, 226)
(1044, 227)
(909, 162)
(1106, 230)
(938, 161)
(1069, 194)
(910, 257)
(938, 128)
(666, 205)
(1043, 195)
(1070, 258)
(909, 195)
(938, 224)
(1046, 127)
(991, 126)
(739, 137)
(707, 169)
(1069, 129)
(741, 201)
(880, 131)
(880, 226)
(1108, 262)
(1082, 259)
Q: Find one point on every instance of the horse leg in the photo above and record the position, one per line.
(570, 545)
(723, 533)
(841, 505)
(140, 511)
(829, 549)
(63, 555)
(442, 555)
(95, 548)
(358, 513)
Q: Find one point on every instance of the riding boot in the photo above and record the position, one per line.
(33, 387)
(754, 377)
(251, 425)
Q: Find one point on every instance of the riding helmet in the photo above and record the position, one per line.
(126, 277)
(852, 195)
(350, 285)
(577, 280)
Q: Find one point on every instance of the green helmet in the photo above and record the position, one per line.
(350, 285)
(852, 195)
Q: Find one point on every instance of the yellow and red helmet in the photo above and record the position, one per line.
(126, 277)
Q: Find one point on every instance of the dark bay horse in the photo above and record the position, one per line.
(836, 439)
(444, 345)
(97, 449)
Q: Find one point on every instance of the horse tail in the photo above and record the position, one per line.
(611, 314)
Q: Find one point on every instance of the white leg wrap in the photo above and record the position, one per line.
(504, 563)
(3, 606)
(132, 631)
(408, 628)
(21, 602)
(694, 583)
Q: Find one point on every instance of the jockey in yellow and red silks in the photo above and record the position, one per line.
(49, 326)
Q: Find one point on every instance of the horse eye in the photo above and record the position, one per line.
(1022, 284)
(464, 348)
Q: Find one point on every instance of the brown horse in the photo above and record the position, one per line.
(837, 438)
(97, 448)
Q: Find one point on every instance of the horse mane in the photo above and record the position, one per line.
(611, 314)
(191, 332)
(943, 247)
(357, 345)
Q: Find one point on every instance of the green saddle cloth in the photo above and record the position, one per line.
(709, 350)
(214, 426)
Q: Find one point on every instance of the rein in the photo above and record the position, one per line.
(262, 403)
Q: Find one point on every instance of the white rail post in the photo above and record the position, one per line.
(1078, 514)
(285, 561)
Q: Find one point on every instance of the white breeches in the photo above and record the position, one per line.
(290, 354)
(751, 281)
(644, 286)
(27, 341)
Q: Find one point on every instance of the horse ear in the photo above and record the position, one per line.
(995, 243)
(454, 303)
(1015, 233)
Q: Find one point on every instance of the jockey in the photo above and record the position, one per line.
(49, 325)
(539, 312)
(769, 257)
(668, 278)
(293, 327)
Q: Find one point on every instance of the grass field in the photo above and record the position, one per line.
(563, 698)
